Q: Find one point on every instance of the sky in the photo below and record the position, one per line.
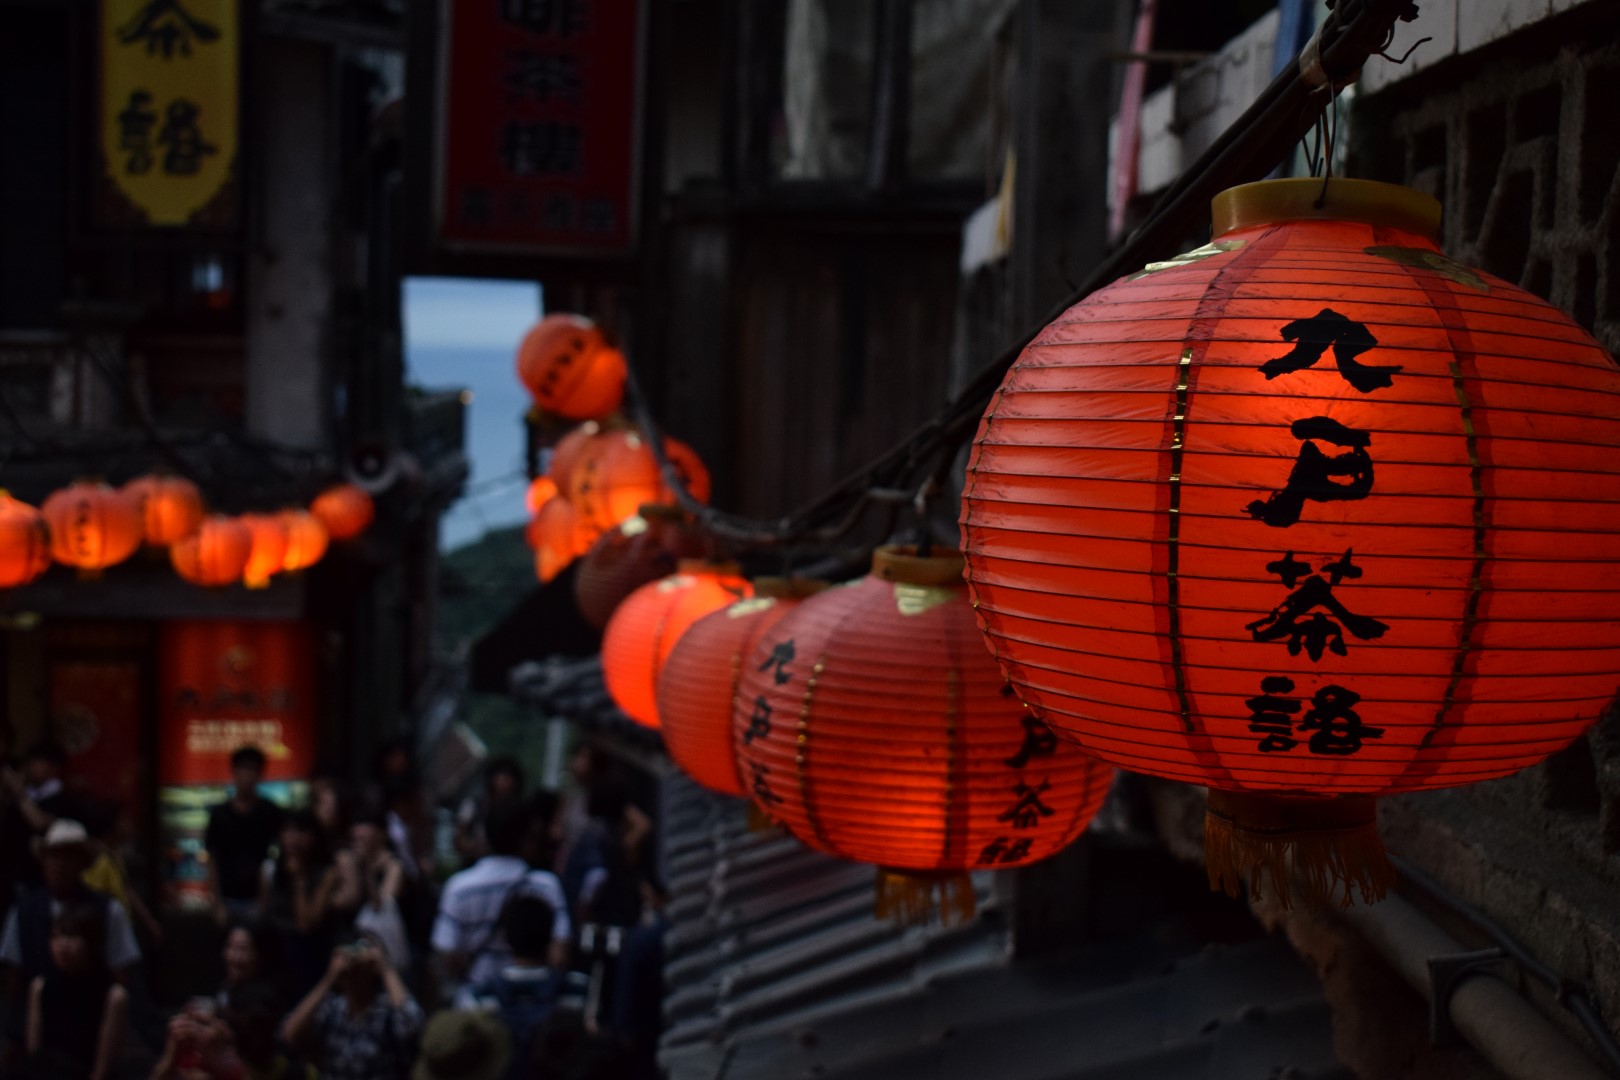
(461, 332)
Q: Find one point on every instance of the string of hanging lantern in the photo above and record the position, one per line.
(91, 526)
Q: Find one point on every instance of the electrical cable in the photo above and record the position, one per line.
(1266, 132)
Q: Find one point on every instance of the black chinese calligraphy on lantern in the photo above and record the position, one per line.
(539, 149)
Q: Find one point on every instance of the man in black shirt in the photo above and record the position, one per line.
(240, 832)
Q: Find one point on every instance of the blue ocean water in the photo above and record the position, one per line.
(494, 492)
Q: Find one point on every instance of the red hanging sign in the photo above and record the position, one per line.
(223, 685)
(539, 126)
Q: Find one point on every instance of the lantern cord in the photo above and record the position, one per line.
(1247, 150)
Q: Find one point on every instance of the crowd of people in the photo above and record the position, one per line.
(341, 954)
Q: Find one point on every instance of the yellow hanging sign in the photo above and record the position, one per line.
(169, 90)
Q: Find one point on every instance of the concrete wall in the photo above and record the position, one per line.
(290, 266)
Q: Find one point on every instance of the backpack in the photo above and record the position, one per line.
(523, 1006)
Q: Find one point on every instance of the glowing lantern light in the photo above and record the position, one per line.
(641, 549)
(559, 536)
(306, 539)
(871, 722)
(542, 489)
(267, 554)
(92, 526)
(651, 620)
(345, 510)
(566, 454)
(171, 507)
(700, 680)
(1310, 515)
(25, 542)
(617, 474)
(569, 367)
(215, 555)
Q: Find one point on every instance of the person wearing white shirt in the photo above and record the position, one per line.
(467, 935)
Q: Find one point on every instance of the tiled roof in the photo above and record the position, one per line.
(777, 968)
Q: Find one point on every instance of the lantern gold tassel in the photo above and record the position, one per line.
(758, 820)
(909, 897)
(1322, 849)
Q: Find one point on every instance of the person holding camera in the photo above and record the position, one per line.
(359, 1022)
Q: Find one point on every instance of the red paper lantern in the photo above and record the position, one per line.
(617, 474)
(215, 555)
(345, 510)
(648, 624)
(267, 554)
(700, 679)
(25, 542)
(558, 536)
(171, 507)
(644, 548)
(542, 489)
(566, 454)
(92, 526)
(1310, 515)
(306, 539)
(569, 367)
(872, 723)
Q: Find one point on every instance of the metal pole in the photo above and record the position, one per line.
(1492, 1016)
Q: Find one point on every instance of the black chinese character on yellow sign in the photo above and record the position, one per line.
(135, 123)
(184, 147)
(167, 28)
(1298, 620)
(1319, 477)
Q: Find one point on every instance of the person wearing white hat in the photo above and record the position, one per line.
(64, 853)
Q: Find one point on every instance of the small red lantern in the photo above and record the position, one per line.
(644, 548)
(345, 510)
(618, 473)
(306, 539)
(558, 536)
(1308, 516)
(542, 489)
(214, 555)
(698, 686)
(171, 507)
(872, 723)
(648, 624)
(569, 367)
(268, 554)
(25, 542)
(92, 526)
(566, 454)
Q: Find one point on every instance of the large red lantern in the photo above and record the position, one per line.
(558, 535)
(25, 542)
(872, 723)
(345, 510)
(171, 507)
(569, 367)
(92, 526)
(700, 679)
(641, 549)
(215, 555)
(1310, 515)
(267, 554)
(306, 539)
(617, 474)
(648, 624)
